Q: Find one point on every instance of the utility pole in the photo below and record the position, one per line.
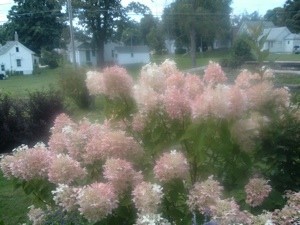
(70, 11)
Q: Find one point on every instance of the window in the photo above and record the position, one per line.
(131, 54)
(18, 62)
(2, 67)
(93, 53)
(288, 42)
(17, 49)
(88, 55)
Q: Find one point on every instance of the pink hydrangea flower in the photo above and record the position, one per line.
(170, 166)
(113, 81)
(193, 86)
(94, 82)
(120, 174)
(214, 74)
(112, 144)
(147, 197)
(117, 82)
(227, 212)
(290, 212)
(97, 201)
(65, 170)
(257, 190)
(66, 197)
(176, 104)
(29, 164)
(62, 121)
(204, 195)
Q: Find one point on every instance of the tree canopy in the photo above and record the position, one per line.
(192, 19)
(39, 23)
(102, 18)
(292, 13)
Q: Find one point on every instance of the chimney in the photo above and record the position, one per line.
(16, 36)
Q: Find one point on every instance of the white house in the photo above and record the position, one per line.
(247, 27)
(280, 40)
(85, 54)
(125, 55)
(15, 57)
(170, 46)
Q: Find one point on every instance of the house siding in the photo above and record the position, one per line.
(23, 55)
(129, 58)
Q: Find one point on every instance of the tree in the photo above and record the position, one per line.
(101, 18)
(276, 15)
(292, 12)
(201, 19)
(39, 23)
(155, 40)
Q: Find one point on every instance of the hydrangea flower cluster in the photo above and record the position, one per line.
(147, 197)
(204, 195)
(257, 190)
(94, 166)
(97, 200)
(171, 166)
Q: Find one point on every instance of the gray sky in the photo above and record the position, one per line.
(239, 6)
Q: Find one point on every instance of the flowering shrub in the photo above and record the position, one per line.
(172, 146)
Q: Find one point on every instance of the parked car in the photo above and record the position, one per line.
(3, 76)
(296, 49)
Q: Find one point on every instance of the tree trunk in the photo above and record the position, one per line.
(193, 46)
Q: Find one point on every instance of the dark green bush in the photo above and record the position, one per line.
(72, 84)
(51, 58)
(279, 155)
(27, 121)
(241, 52)
(43, 107)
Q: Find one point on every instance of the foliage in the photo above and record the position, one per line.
(38, 23)
(291, 8)
(205, 20)
(280, 149)
(163, 151)
(27, 121)
(276, 15)
(50, 58)
(240, 53)
(72, 85)
(102, 19)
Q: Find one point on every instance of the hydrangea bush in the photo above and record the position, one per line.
(174, 148)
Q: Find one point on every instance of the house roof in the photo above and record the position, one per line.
(292, 36)
(134, 49)
(10, 44)
(276, 33)
(247, 25)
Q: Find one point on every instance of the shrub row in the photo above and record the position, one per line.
(26, 121)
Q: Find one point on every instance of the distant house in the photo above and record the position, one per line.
(85, 54)
(125, 55)
(15, 57)
(247, 27)
(170, 46)
(280, 40)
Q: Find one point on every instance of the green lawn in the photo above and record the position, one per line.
(21, 84)
(13, 203)
(284, 57)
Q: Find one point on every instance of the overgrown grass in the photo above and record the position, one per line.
(284, 57)
(13, 203)
(20, 85)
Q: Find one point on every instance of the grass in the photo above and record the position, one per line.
(13, 203)
(284, 57)
(20, 85)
